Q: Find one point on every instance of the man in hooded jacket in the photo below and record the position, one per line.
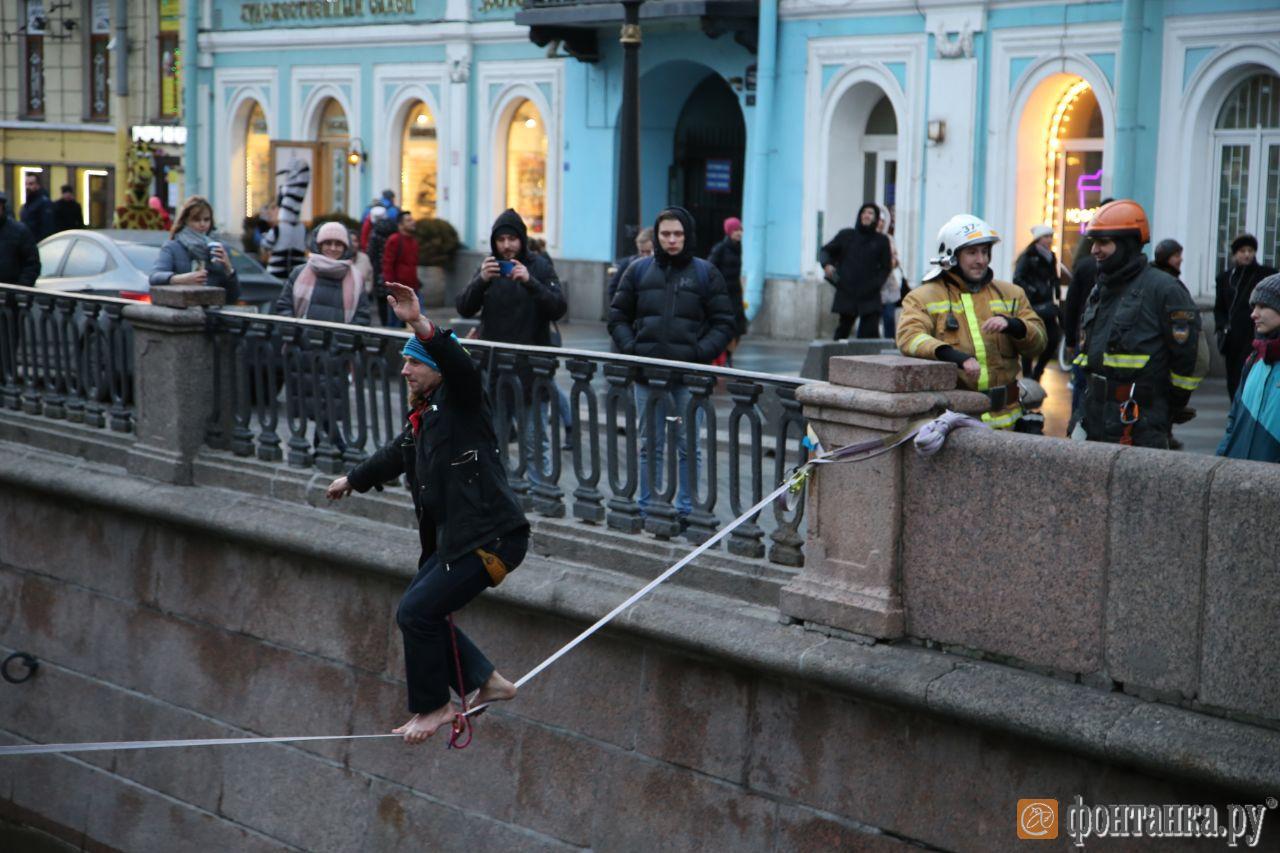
(857, 261)
(675, 307)
(518, 297)
(1139, 336)
(518, 305)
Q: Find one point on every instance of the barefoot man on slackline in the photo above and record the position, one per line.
(469, 521)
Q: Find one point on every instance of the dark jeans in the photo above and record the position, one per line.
(889, 318)
(1235, 357)
(437, 591)
(868, 325)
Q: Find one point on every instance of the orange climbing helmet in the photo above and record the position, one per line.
(1120, 218)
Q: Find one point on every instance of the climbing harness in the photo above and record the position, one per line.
(929, 436)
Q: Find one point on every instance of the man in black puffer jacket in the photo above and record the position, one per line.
(675, 307)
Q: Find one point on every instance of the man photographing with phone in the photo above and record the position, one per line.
(515, 291)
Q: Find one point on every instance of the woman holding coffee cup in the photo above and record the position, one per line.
(191, 257)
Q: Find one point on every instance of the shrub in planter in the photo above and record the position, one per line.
(437, 242)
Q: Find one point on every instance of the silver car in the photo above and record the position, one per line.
(114, 262)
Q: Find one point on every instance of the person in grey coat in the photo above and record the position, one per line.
(190, 257)
(329, 288)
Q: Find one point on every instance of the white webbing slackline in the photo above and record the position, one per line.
(929, 436)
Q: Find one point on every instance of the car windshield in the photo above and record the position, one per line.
(244, 264)
(142, 257)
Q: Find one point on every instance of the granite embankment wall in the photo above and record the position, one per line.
(699, 722)
(1143, 571)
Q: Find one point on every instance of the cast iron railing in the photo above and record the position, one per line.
(66, 356)
(326, 395)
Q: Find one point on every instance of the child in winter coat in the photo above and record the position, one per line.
(1253, 426)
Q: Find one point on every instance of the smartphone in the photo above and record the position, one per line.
(506, 267)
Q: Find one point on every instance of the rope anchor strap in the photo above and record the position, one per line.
(461, 722)
(929, 437)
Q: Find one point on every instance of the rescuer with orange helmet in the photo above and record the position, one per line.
(1139, 334)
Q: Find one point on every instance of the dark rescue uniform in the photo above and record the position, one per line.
(1138, 349)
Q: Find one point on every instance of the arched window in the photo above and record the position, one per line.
(257, 161)
(1073, 143)
(418, 162)
(1247, 139)
(880, 157)
(332, 180)
(526, 178)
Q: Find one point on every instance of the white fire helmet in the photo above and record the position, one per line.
(961, 230)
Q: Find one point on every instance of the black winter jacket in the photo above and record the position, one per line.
(670, 313)
(1083, 278)
(1232, 324)
(1038, 276)
(37, 215)
(726, 256)
(863, 259)
(382, 232)
(451, 467)
(19, 258)
(511, 311)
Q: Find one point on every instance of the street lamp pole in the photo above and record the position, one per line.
(628, 213)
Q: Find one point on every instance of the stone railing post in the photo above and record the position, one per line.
(852, 578)
(173, 370)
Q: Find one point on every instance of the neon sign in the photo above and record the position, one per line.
(1082, 215)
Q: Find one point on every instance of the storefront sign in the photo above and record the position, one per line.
(719, 176)
(100, 17)
(167, 134)
(497, 5)
(316, 10)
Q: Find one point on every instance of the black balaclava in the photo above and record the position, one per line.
(686, 254)
(868, 229)
(1128, 248)
(509, 222)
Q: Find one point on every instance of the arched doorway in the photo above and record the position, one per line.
(1246, 140)
(332, 178)
(706, 171)
(257, 161)
(862, 157)
(1060, 171)
(419, 162)
(524, 178)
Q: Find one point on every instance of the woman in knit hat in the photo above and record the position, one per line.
(329, 288)
(1253, 425)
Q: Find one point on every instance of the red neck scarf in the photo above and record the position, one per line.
(1267, 349)
(415, 419)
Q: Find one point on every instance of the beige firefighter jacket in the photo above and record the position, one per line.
(922, 330)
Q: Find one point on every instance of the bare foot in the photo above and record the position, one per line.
(496, 689)
(422, 726)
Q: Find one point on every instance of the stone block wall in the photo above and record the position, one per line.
(162, 611)
(1139, 570)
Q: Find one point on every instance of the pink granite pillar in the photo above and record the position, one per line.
(852, 578)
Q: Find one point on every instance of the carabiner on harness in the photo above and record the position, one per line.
(1129, 411)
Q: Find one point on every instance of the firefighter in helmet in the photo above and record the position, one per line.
(961, 314)
(1140, 330)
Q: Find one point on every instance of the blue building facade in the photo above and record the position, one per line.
(789, 113)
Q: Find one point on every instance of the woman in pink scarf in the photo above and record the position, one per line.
(327, 287)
